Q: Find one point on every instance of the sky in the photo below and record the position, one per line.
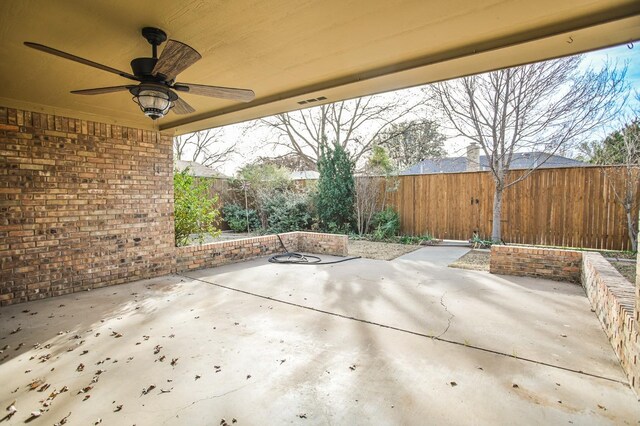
(621, 54)
(248, 142)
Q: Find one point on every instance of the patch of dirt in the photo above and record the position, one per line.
(627, 269)
(379, 251)
(477, 260)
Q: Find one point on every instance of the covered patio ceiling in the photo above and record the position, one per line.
(287, 51)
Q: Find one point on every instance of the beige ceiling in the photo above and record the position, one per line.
(287, 50)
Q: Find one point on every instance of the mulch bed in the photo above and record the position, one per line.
(379, 251)
(477, 260)
(627, 269)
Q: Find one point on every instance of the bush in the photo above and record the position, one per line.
(335, 198)
(386, 224)
(288, 211)
(478, 242)
(195, 208)
(413, 239)
(255, 185)
(236, 218)
(333, 228)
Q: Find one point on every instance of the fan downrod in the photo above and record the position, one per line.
(155, 37)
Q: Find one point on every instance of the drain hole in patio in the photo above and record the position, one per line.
(415, 333)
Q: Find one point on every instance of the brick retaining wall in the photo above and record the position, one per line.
(613, 299)
(554, 264)
(311, 242)
(224, 252)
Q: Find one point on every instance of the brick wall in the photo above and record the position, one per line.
(86, 204)
(554, 264)
(224, 252)
(311, 242)
(613, 298)
(82, 205)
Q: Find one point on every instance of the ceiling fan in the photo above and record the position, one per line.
(156, 90)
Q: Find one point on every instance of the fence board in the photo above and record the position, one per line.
(572, 207)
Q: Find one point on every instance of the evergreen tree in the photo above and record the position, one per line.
(379, 162)
(336, 190)
(620, 147)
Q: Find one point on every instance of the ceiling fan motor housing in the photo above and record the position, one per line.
(143, 67)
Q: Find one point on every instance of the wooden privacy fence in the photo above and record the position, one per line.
(219, 187)
(569, 207)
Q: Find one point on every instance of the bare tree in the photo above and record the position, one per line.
(354, 125)
(368, 194)
(372, 186)
(204, 147)
(289, 161)
(625, 192)
(541, 107)
(412, 141)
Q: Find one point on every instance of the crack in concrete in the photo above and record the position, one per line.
(415, 333)
(204, 399)
(451, 316)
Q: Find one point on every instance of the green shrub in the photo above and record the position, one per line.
(195, 208)
(335, 199)
(288, 211)
(479, 242)
(386, 224)
(255, 185)
(412, 239)
(236, 218)
(333, 228)
(398, 239)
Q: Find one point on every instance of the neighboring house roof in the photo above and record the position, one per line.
(520, 160)
(197, 169)
(305, 174)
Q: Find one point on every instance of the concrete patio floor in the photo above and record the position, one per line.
(362, 342)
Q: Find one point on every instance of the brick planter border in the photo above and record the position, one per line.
(612, 297)
(225, 252)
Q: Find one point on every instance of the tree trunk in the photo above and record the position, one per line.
(496, 234)
(631, 229)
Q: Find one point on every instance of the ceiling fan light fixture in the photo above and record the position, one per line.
(154, 102)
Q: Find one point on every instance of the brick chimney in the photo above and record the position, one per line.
(473, 157)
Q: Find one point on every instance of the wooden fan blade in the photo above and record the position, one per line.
(181, 107)
(101, 90)
(244, 95)
(78, 59)
(175, 58)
